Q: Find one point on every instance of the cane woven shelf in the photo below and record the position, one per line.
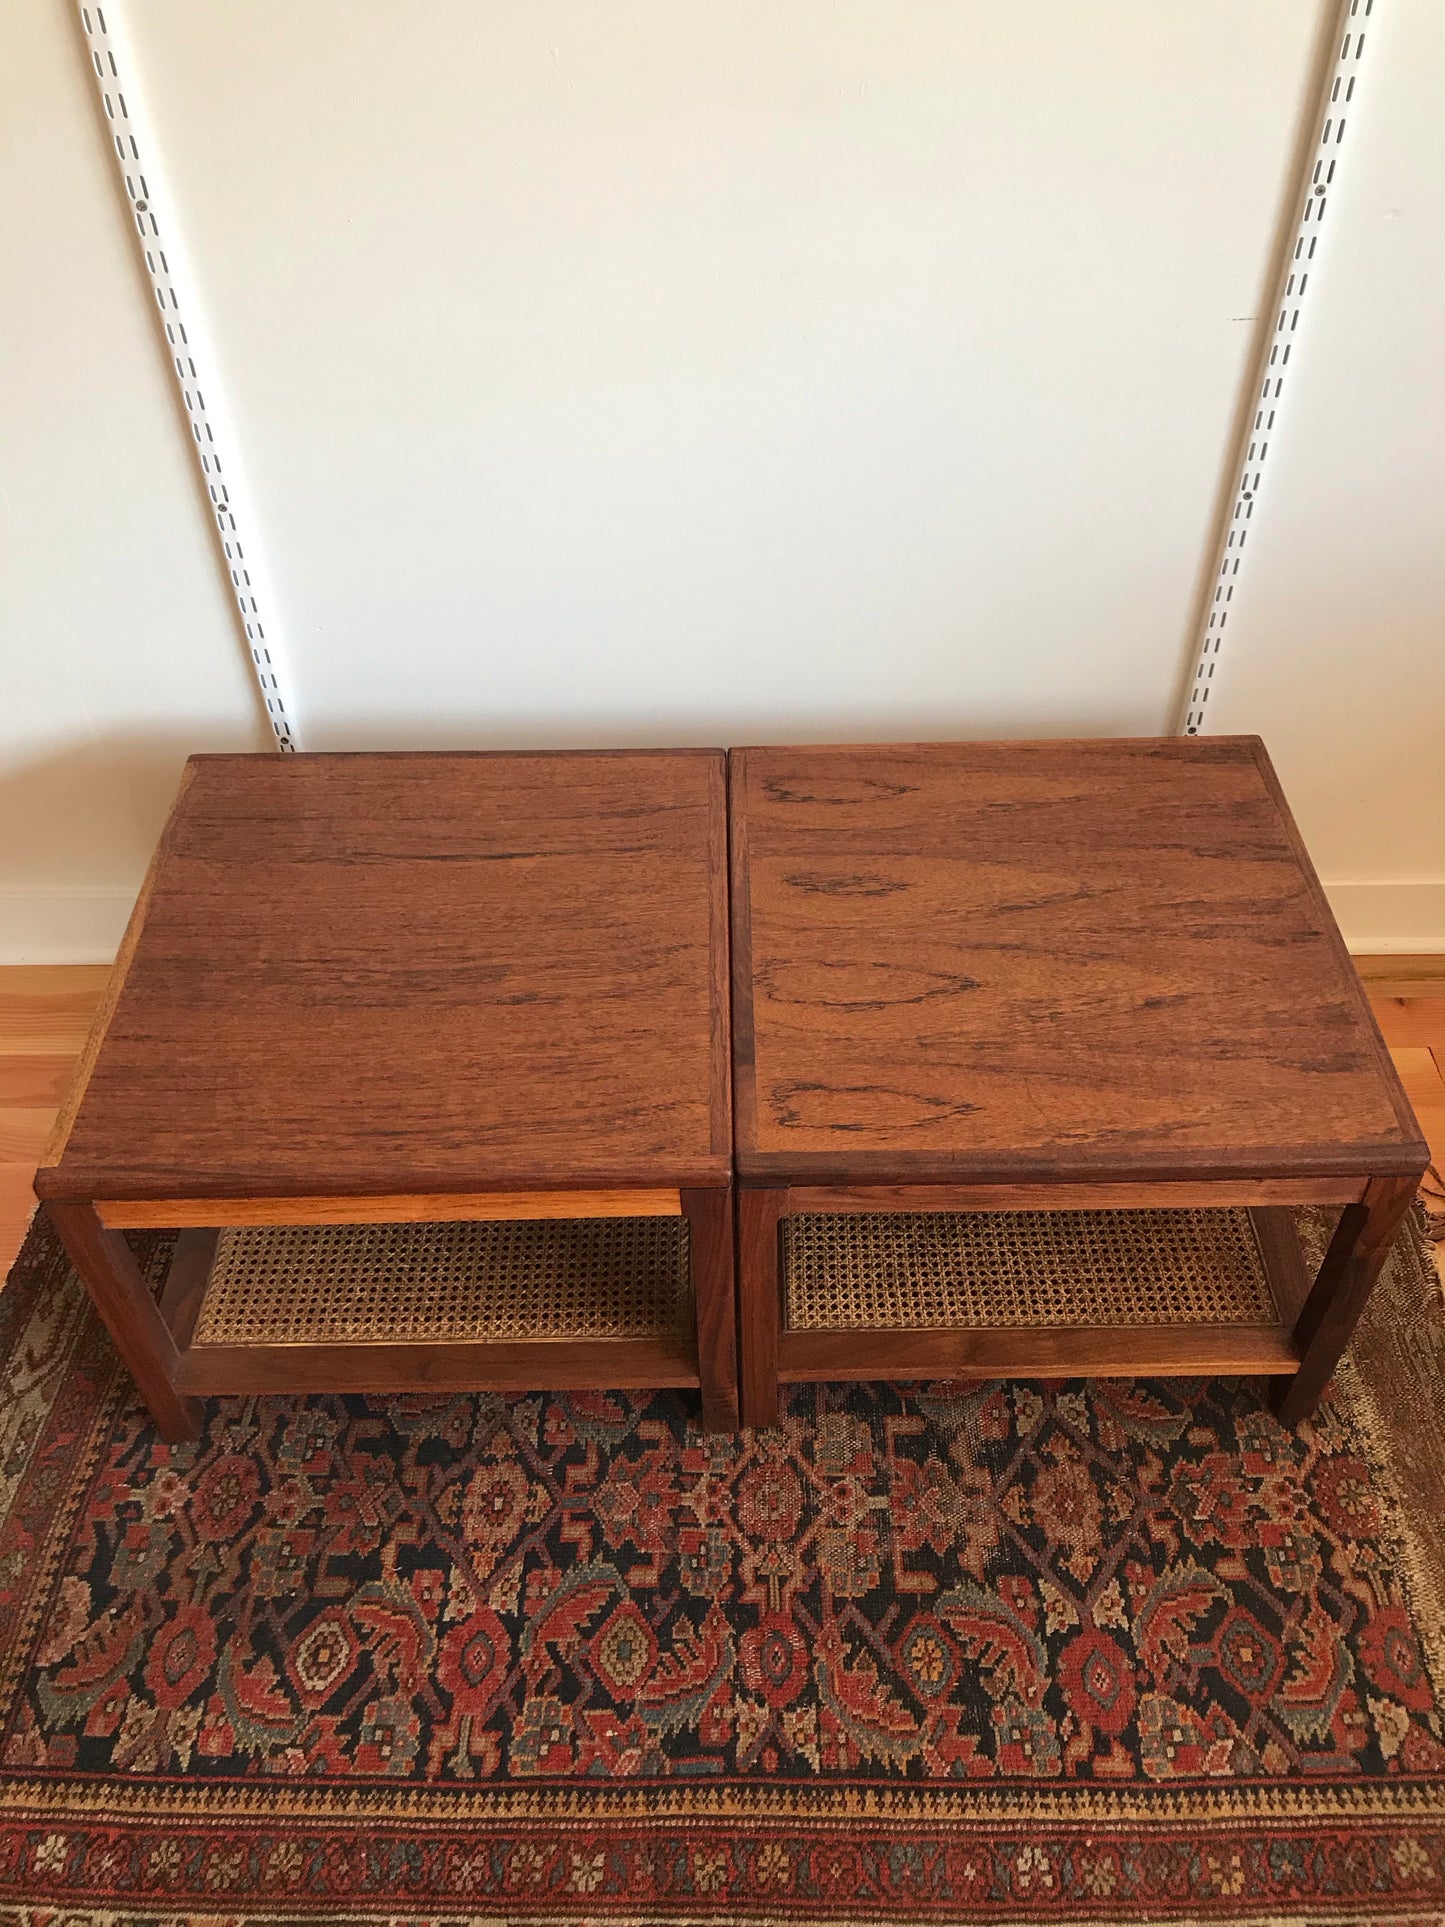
(520, 1279)
(917, 1271)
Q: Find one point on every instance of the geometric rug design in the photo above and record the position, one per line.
(1054, 1651)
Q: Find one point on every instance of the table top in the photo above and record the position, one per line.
(385, 973)
(1094, 960)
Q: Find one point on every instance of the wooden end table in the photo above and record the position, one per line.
(1046, 977)
(416, 991)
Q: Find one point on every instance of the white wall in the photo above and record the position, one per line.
(1336, 652)
(118, 654)
(712, 373)
(684, 371)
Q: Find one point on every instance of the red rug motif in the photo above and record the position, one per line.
(1031, 1652)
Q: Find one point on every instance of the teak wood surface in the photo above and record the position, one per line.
(1010, 976)
(1103, 974)
(373, 974)
(1105, 960)
(365, 987)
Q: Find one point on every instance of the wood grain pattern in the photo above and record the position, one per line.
(49, 1008)
(1284, 1261)
(1090, 960)
(1359, 1247)
(759, 1303)
(1407, 1021)
(132, 1214)
(409, 1365)
(772, 1354)
(710, 1227)
(36, 1080)
(1012, 976)
(431, 973)
(1420, 975)
(123, 1299)
(1124, 1351)
(719, 906)
(558, 1364)
(1422, 1072)
(46, 1012)
(1420, 1076)
(17, 1205)
(24, 1133)
(1074, 1197)
(186, 1281)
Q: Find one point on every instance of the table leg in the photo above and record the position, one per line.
(122, 1297)
(759, 1305)
(710, 1232)
(1359, 1247)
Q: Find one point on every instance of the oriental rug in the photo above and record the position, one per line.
(1028, 1652)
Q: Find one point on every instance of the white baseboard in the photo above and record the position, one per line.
(62, 926)
(1390, 918)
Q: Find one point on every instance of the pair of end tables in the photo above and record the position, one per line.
(625, 1069)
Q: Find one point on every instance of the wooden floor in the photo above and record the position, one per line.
(45, 1011)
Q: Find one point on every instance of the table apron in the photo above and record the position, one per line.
(1048, 1195)
(137, 1214)
(1067, 1351)
(463, 1365)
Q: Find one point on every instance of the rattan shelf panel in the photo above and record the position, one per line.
(906, 1271)
(522, 1279)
